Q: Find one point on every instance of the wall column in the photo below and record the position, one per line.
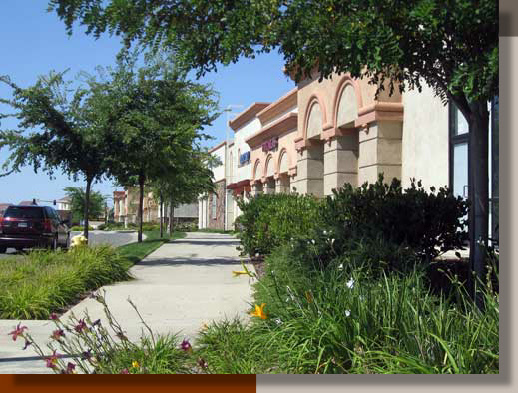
(380, 151)
(310, 170)
(269, 186)
(256, 189)
(341, 161)
(282, 184)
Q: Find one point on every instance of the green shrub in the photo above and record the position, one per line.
(427, 223)
(270, 220)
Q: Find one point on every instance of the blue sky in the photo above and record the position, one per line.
(35, 42)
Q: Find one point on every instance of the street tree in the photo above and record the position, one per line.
(451, 45)
(77, 197)
(57, 130)
(185, 183)
(163, 119)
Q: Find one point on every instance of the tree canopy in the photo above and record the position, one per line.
(160, 123)
(77, 197)
(451, 44)
(58, 128)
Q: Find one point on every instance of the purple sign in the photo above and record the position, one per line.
(270, 144)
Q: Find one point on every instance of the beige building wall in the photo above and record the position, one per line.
(425, 139)
(345, 135)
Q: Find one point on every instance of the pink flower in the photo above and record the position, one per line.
(81, 325)
(70, 368)
(57, 334)
(52, 360)
(124, 371)
(53, 316)
(18, 331)
(186, 345)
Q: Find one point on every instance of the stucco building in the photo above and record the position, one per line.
(213, 206)
(322, 134)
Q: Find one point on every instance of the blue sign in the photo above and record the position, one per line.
(244, 158)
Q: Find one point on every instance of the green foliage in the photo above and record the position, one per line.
(341, 320)
(78, 200)
(427, 223)
(159, 123)
(48, 281)
(269, 220)
(452, 45)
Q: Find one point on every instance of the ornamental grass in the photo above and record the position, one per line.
(45, 281)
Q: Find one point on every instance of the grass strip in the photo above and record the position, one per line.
(135, 252)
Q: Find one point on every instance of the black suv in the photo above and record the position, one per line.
(32, 226)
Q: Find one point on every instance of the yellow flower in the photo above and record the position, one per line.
(258, 312)
(135, 364)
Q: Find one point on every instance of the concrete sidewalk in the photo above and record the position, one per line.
(177, 288)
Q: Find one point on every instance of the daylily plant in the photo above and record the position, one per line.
(259, 311)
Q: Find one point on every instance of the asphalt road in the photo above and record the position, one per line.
(95, 238)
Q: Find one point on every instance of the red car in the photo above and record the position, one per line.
(32, 226)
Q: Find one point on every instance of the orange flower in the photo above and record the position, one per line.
(258, 312)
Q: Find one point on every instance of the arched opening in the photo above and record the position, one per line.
(283, 182)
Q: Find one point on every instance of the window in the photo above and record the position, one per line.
(213, 206)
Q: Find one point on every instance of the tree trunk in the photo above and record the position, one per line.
(87, 206)
(479, 190)
(171, 216)
(141, 180)
(161, 216)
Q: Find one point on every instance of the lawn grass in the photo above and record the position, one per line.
(135, 252)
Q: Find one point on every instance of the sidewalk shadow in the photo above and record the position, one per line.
(188, 261)
(206, 242)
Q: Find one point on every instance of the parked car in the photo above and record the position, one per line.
(32, 226)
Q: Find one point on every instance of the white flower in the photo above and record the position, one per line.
(340, 266)
(278, 321)
(313, 241)
(324, 232)
(347, 313)
(350, 283)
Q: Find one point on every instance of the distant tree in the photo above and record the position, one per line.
(451, 45)
(77, 197)
(64, 132)
(185, 183)
(164, 114)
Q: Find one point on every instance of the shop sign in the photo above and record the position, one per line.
(244, 158)
(270, 144)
